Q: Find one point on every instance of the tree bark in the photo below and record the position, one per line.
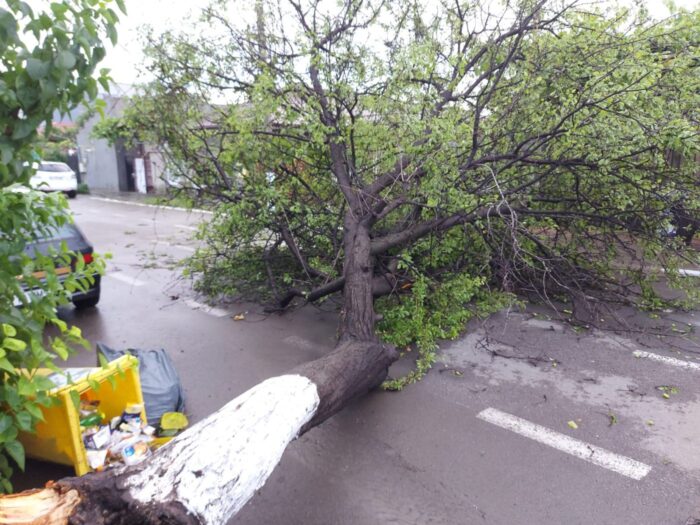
(358, 311)
(207, 474)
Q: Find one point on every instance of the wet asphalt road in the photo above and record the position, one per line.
(424, 455)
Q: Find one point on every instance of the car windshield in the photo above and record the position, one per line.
(54, 166)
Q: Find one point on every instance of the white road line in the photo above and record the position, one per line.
(580, 449)
(126, 279)
(185, 227)
(209, 310)
(688, 365)
(144, 205)
(689, 273)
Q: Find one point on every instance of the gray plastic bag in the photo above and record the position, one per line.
(160, 384)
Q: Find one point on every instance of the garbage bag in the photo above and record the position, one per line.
(160, 384)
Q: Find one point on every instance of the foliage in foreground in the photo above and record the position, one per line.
(487, 153)
(49, 60)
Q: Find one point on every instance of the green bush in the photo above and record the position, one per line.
(58, 46)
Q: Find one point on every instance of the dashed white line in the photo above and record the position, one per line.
(144, 205)
(209, 310)
(577, 448)
(126, 279)
(688, 365)
(185, 227)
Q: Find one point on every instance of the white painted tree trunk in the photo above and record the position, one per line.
(216, 466)
(205, 475)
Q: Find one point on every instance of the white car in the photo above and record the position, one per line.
(55, 176)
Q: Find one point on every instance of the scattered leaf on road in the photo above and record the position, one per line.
(572, 424)
(238, 317)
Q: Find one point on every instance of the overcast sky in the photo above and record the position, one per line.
(125, 59)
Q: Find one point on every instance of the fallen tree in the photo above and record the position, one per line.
(469, 151)
(206, 474)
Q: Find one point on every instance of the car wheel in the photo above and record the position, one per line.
(71, 194)
(87, 302)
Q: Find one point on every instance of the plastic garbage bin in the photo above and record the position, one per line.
(58, 438)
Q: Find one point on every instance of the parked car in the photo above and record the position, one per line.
(76, 242)
(55, 176)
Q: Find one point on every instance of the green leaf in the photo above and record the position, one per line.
(98, 53)
(24, 421)
(9, 434)
(23, 128)
(6, 365)
(16, 452)
(5, 422)
(13, 345)
(112, 34)
(25, 387)
(37, 69)
(8, 330)
(60, 347)
(35, 411)
(6, 485)
(6, 153)
(59, 10)
(65, 60)
(102, 360)
(43, 383)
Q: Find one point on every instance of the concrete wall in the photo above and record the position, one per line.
(102, 164)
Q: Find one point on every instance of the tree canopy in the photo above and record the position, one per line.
(439, 157)
(49, 58)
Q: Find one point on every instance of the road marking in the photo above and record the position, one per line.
(689, 273)
(209, 310)
(126, 279)
(667, 360)
(185, 227)
(580, 449)
(144, 205)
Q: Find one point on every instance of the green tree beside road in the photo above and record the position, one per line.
(49, 63)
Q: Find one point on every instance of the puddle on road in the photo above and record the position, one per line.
(674, 436)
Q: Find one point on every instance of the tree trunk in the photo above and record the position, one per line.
(358, 305)
(205, 475)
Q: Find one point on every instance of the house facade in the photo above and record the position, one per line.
(117, 167)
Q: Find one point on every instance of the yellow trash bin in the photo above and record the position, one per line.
(58, 438)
